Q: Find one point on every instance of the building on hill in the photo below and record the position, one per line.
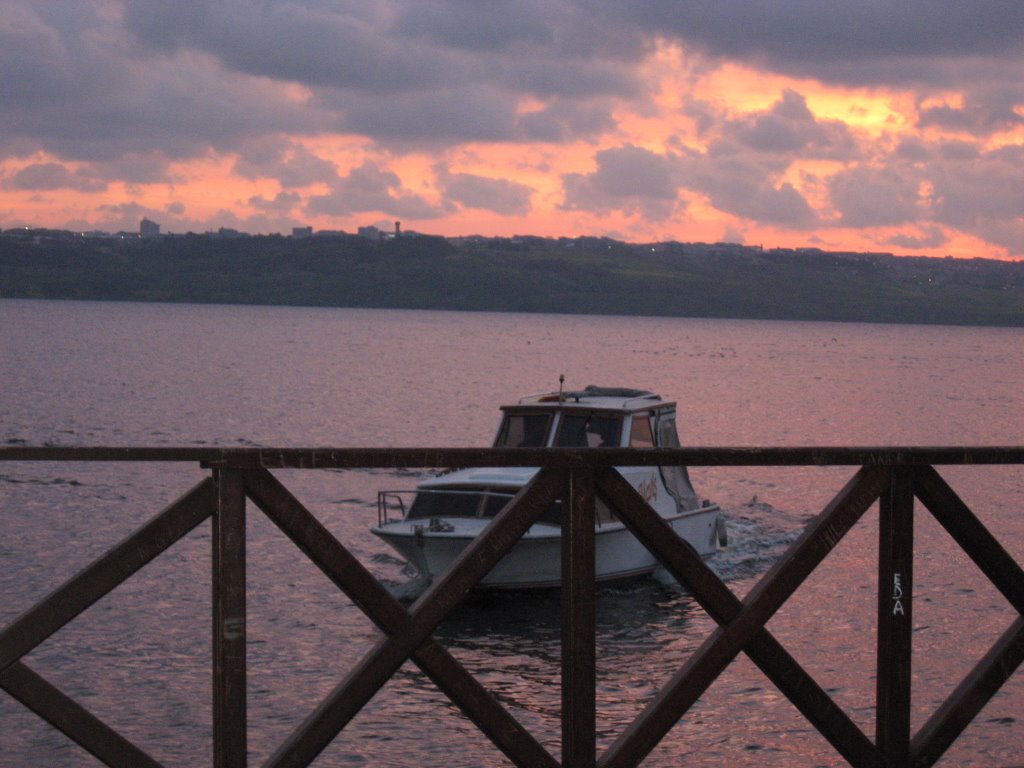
(149, 228)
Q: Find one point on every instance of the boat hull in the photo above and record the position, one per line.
(535, 560)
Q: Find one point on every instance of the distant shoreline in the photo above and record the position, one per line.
(585, 276)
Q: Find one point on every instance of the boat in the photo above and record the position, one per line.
(431, 525)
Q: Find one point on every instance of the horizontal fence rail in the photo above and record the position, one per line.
(894, 479)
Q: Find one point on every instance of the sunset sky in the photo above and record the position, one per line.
(861, 125)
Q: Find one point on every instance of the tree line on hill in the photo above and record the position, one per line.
(579, 276)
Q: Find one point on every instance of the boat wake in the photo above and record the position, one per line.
(758, 536)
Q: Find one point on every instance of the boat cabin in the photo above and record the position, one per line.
(592, 418)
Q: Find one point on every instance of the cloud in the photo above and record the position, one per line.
(749, 186)
(73, 86)
(982, 115)
(432, 118)
(849, 41)
(480, 27)
(628, 178)
(789, 127)
(329, 43)
(924, 238)
(367, 188)
(501, 196)
(289, 162)
(281, 203)
(983, 195)
(51, 176)
(868, 196)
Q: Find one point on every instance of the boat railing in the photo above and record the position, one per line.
(387, 500)
(889, 482)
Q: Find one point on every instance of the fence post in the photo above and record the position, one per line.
(895, 617)
(579, 710)
(229, 673)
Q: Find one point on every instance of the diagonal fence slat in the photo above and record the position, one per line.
(378, 666)
(972, 536)
(74, 597)
(743, 623)
(349, 575)
(969, 698)
(102, 576)
(1003, 659)
(70, 718)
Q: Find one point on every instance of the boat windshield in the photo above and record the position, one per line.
(457, 503)
(523, 430)
(483, 503)
(589, 430)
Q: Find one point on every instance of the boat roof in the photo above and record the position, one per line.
(591, 397)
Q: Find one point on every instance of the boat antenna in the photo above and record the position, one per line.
(561, 381)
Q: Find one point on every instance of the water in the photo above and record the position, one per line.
(135, 374)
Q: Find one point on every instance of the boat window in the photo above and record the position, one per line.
(429, 504)
(553, 514)
(458, 503)
(589, 430)
(523, 430)
(604, 513)
(495, 502)
(640, 435)
(676, 478)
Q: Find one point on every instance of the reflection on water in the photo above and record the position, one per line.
(108, 374)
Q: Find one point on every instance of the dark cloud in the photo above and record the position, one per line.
(868, 196)
(983, 195)
(83, 94)
(927, 237)
(52, 176)
(983, 114)
(481, 27)
(164, 26)
(631, 179)
(937, 187)
(369, 189)
(853, 40)
(501, 196)
(913, 150)
(282, 202)
(789, 127)
(287, 161)
(328, 43)
(563, 121)
(750, 187)
(431, 118)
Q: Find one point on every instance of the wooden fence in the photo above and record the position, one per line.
(894, 477)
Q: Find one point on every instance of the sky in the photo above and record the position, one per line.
(866, 125)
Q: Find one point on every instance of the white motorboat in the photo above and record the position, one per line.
(431, 525)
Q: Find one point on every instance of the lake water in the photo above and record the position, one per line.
(135, 374)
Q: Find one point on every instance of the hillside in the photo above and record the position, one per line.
(580, 276)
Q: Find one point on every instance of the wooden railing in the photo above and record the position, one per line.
(894, 477)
